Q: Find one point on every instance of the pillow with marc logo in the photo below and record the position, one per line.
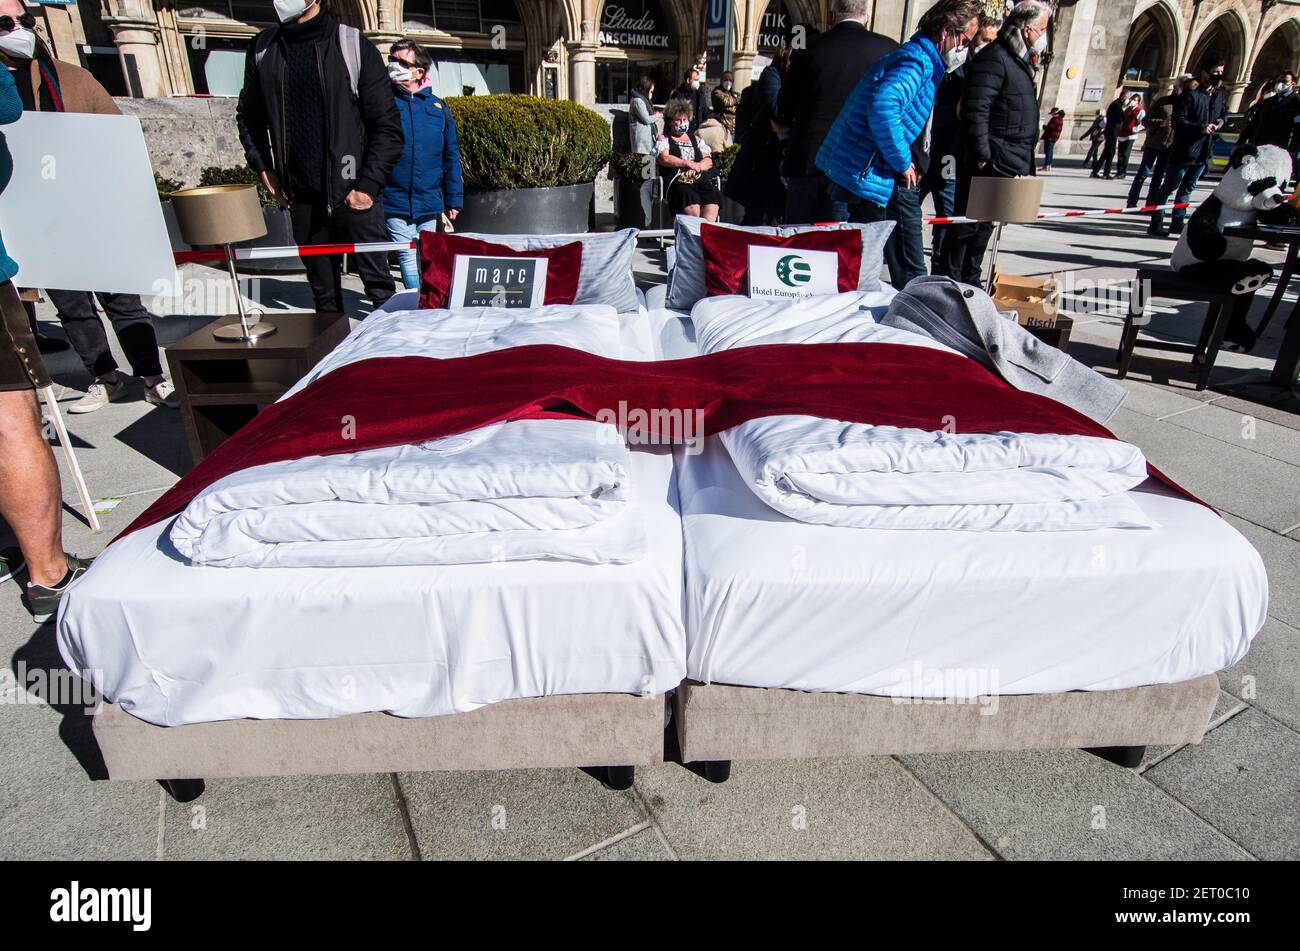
(772, 267)
(456, 271)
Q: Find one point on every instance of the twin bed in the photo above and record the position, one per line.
(747, 632)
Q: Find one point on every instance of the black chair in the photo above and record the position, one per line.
(1283, 280)
(1167, 283)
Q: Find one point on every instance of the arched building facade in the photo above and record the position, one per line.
(592, 51)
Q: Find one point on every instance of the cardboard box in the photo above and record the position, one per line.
(1035, 300)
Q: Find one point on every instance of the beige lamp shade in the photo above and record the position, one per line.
(218, 214)
(1004, 199)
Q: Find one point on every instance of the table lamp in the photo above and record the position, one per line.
(1003, 201)
(224, 215)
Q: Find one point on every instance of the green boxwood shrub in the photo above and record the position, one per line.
(236, 175)
(509, 141)
(723, 159)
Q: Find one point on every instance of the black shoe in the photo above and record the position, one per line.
(1176, 228)
(43, 601)
(1158, 232)
(47, 344)
(11, 562)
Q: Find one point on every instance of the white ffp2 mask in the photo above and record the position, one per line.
(288, 10)
(19, 42)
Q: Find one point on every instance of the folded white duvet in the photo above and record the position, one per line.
(526, 490)
(863, 476)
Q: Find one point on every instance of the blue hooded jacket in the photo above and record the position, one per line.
(426, 180)
(871, 140)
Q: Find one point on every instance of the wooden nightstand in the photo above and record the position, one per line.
(222, 384)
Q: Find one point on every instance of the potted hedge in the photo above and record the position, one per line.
(634, 177)
(165, 188)
(279, 227)
(529, 164)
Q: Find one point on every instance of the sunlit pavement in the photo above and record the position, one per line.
(1231, 796)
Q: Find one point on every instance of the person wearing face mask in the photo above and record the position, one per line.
(1134, 118)
(1155, 148)
(318, 124)
(426, 182)
(692, 91)
(1276, 120)
(45, 84)
(875, 152)
(725, 100)
(1199, 113)
(1101, 168)
(999, 112)
(688, 161)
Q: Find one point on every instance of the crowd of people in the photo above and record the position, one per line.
(855, 127)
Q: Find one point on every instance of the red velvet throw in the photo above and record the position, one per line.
(390, 401)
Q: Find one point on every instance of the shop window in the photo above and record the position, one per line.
(616, 77)
(472, 17)
(242, 11)
(218, 66)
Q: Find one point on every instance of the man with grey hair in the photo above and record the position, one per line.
(820, 79)
(999, 111)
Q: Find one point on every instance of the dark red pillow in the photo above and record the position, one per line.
(438, 252)
(726, 254)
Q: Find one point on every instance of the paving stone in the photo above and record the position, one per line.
(1231, 479)
(514, 814)
(865, 808)
(1067, 804)
(1245, 779)
(1268, 677)
(643, 846)
(51, 809)
(1281, 554)
(1227, 705)
(1156, 402)
(293, 817)
(1244, 430)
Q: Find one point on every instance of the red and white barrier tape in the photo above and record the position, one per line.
(309, 250)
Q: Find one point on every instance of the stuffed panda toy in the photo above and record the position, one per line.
(1253, 189)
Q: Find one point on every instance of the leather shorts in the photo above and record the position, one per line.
(21, 366)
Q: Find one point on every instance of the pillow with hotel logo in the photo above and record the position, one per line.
(457, 271)
(773, 267)
(607, 259)
(686, 278)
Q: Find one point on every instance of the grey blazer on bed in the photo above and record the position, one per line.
(965, 318)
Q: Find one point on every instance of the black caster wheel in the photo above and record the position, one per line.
(183, 790)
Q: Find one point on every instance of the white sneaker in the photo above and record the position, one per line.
(162, 393)
(99, 395)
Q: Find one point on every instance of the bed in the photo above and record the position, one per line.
(217, 671)
(809, 640)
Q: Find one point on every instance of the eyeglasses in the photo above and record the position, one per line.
(7, 23)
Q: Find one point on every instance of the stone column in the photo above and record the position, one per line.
(1235, 92)
(582, 68)
(135, 31)
(742, 67)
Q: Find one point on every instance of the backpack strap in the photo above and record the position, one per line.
(350, 43)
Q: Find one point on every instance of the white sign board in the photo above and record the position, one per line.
(786, 274)
(81, 212)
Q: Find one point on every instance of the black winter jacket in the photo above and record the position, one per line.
(1194, 110)
(999, 110)
(363, 133)
(818, 84)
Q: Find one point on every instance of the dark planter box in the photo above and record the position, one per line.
(731, 211)
(567, 209)
(632, 200)
(279, 232)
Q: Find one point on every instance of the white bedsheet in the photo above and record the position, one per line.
(775, 602)
(517, 491)
(884, 477)
(175, 643)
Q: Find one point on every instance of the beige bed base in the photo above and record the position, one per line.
(719, 722)
(713, 723)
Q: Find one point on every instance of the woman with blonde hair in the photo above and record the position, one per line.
(681, 153)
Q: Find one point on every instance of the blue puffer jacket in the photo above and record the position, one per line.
(871, 140)
(426, 180)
